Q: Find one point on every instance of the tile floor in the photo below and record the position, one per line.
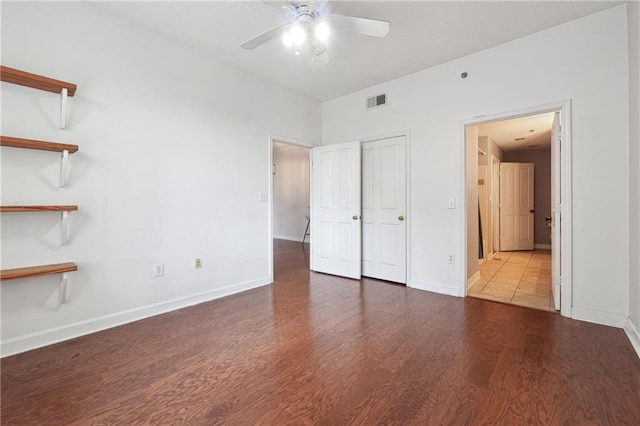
(520, 278)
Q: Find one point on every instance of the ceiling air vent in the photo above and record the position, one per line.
(377, 101)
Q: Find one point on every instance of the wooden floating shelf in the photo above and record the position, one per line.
(12, 209)
(23, 78)
(35, 271)
(34, 144)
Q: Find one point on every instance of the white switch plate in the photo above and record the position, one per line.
(452, 203)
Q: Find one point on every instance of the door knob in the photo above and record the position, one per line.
(401, 218)
(355, 217)
(532, 211)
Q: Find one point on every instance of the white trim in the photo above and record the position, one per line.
(449, 290)
(599, 317)
(288, 238)
(542, 246)
(633, 335)
(58, 334)
(474, 279)
(567, 216)
(408, 216)
(566, 240)
(283, 139)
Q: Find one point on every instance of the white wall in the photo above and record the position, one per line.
(174, 150)
(591, 69)
(634, 160)
(290, 192)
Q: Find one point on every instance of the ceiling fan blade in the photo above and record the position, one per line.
(263, 38)
(320, 55)
(370, 27)
(321, 59)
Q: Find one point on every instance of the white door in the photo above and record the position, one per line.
(495, 204)
(556, 219)
(483, 196)
(516, 206)
(384, 232)
(335, 209)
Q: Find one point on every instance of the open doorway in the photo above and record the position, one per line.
(513, 175)
(290, 195)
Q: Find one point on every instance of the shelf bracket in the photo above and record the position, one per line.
(64, 168)
(64, 227)
(64, 288)
(63, 108)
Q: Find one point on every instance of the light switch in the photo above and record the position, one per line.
(452, 203)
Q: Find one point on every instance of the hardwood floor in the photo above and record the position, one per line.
(318, 349)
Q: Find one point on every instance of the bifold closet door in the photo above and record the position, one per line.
(335, 209)
(384, 230)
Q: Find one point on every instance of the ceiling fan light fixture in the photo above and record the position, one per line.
(286, 39)
(310, 27)
(322, 31)
(298, 35)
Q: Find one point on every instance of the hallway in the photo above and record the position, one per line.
(520, 278)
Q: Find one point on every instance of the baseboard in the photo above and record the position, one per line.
(435, 287)
(542, 246)
(474, 279)
(598, 317)
(284, 237)
(54, 335)
(633, 335)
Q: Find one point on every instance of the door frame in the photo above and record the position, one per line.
(289, 141)
(564, 107)
(407, 189)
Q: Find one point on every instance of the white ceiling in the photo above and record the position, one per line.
(505, 132)
(423, 34)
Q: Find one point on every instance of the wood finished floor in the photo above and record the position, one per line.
(317, 349)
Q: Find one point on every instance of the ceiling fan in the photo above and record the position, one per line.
(309, 28)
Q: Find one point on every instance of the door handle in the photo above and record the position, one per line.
(400, 218)
(532, 211)
(355, 217)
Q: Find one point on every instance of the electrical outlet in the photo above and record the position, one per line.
(198, 262)
(451, 258)
(262, 197)
(158, 269)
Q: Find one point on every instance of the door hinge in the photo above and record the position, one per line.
(557, 280)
